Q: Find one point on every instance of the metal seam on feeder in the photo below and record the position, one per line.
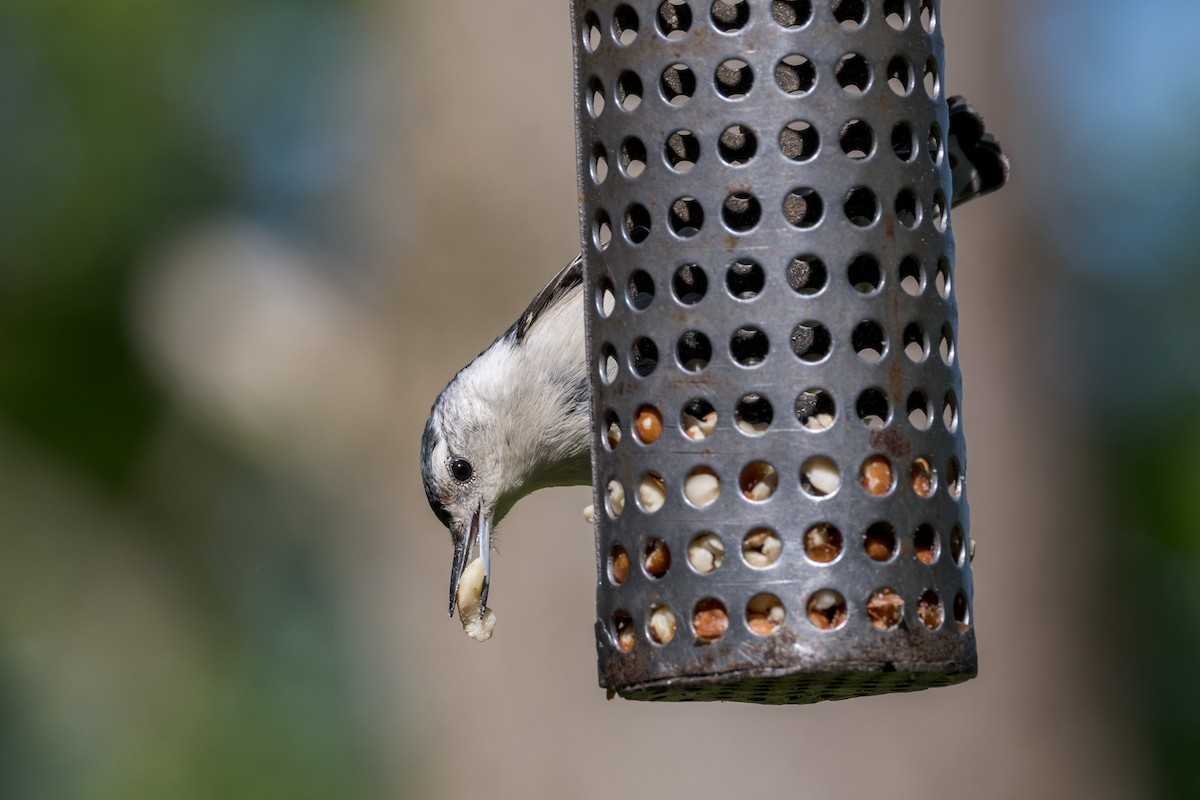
(762, 185)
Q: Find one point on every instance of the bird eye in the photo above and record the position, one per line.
(461, 469)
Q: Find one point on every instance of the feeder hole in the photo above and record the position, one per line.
(614, 498)
(876, 475)
(698, 419)
(648, 425)
(879, 542)
(753, 414)
(749, 346)
(662, 624)
(758, 481)
(741, 212)
(625, 25)
(885, 609)
(823, 543)
(795, 74)
(764, 614)
(729, 16)
(686, 217)
(811, 341)
(900, 76)
(693, 351)
(612, 429)
(827, 609)
(640, 290)
(733, 79)
(702, 487)
(673, 19)
(629, 91)
(709, 619)
(677, 84)
(643, 356)
(929, 609)
(919, 412)
(618, 564)
(857, 139)
(706, 553)
(853, 73)
(682, 150)
(791, 14)
(623, 630)
(819, 476)
(761, 548)
(651, 492)
(689, 284)
(799, 141)
(924, 477)
(815, 410)
(873, 408)
(864, 273)
(656, 558)
(925, 544)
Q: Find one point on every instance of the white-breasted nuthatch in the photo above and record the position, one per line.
(518, 417)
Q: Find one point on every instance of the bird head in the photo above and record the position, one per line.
(467, 482)
(514, 420)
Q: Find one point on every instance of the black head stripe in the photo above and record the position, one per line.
(429, 441)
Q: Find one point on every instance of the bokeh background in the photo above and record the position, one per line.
(243, 244)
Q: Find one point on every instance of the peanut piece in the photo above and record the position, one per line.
(478, 623)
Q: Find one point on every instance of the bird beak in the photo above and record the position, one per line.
(481, 532)
(456, 568)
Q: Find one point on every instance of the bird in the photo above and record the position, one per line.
(518, 417)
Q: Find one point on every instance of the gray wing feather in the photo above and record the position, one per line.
(566, 280)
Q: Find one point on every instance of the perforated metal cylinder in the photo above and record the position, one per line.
(766, 237)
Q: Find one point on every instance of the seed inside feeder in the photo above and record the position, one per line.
(962, 613)
(815, 409)
(618, 564)
(614, 430)
(827, 609)
(758, 481)
(753, 415)
(822, 543)
(652, 492)
(877, 475)
(761, 547)
(662, 624)
(709, 619)
(706, 553)
(764, 614)
(819, 476)
(923, 477)
(649, 424)
(702, 487)
(929, 609)
(698, 420)
(880, 542)
(925, 544)
(656, 558)
(615, 498)
(623, 626)
(885, 609)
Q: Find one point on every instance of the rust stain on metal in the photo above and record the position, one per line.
(892, 442)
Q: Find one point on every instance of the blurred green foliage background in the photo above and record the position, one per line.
(123, 120)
